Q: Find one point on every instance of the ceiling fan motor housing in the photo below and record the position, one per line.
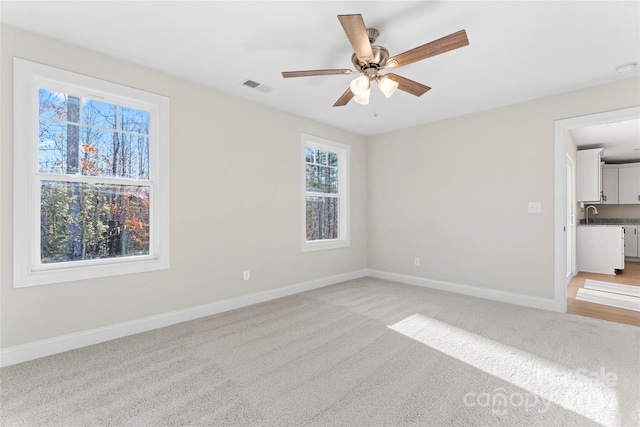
(380, 57)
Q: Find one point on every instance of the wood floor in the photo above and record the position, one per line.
(629, 276)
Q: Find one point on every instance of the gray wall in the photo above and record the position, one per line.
(455, 193)
(235, 204)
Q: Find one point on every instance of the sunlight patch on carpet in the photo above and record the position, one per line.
(583, 392)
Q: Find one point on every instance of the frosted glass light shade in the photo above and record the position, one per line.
(360, 86)
(362, 99)
(387, 86)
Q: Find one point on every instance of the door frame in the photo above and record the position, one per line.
(562, 127)
(570, 221)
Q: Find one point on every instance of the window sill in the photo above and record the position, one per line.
(321, 245)
(85, 272)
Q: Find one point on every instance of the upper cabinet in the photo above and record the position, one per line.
(610, 185)
(614, 184)
(629, 184)
(589, 175)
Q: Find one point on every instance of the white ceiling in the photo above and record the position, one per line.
(620, 140)
(518, 50)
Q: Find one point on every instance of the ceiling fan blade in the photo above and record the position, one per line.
(407, 85)
(308, 73)
(436, 47)
(357, 33)
(344, 99)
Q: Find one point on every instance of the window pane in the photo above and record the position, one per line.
(54, 105)
(322, 179)
(322, 218)
(332, 180)
(310, 155)
(322, 157)
(136, 150)
(87, 221)
(58, 147)
(52, 146)
(132, 120)
(333, 159)
(98, 113)
(97, 151)
(313, 182)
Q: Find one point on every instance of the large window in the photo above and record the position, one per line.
(326, 206)
(90, 177)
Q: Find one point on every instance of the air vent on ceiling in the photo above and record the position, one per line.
(258, 86)
(251, 84)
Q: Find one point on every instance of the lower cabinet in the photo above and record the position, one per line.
(600, 249)
(631, 240)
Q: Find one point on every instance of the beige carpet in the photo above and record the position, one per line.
(363, 353)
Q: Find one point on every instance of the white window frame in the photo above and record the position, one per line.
(28, 270)
(342, 150)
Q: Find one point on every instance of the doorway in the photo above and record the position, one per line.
(564, 244)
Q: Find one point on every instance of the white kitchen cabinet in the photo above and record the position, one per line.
(589, 175)
(631, 240)
(609, 185)
(629, 184)
(600, 248)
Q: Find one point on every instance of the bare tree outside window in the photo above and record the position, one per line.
(79, 220)
(91, 177)
(322, 202)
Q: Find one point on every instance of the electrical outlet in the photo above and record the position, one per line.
(535, 207)
(247, 275)
(416, 262)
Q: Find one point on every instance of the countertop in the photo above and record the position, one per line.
(611, 221)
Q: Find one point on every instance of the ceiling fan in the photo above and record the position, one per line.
(370, 59)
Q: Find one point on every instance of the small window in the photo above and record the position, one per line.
(90, 169)
(326, 186)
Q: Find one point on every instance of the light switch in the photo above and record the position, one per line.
(535, 207)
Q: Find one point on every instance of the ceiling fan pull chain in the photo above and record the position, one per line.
(374, 102)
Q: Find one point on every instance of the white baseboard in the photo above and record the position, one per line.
(47, 347)
(474, 291)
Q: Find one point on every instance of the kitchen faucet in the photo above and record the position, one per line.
(586, 212)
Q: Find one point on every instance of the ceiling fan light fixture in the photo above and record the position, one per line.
(387, 86)
(362, 99)
(360, 86)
